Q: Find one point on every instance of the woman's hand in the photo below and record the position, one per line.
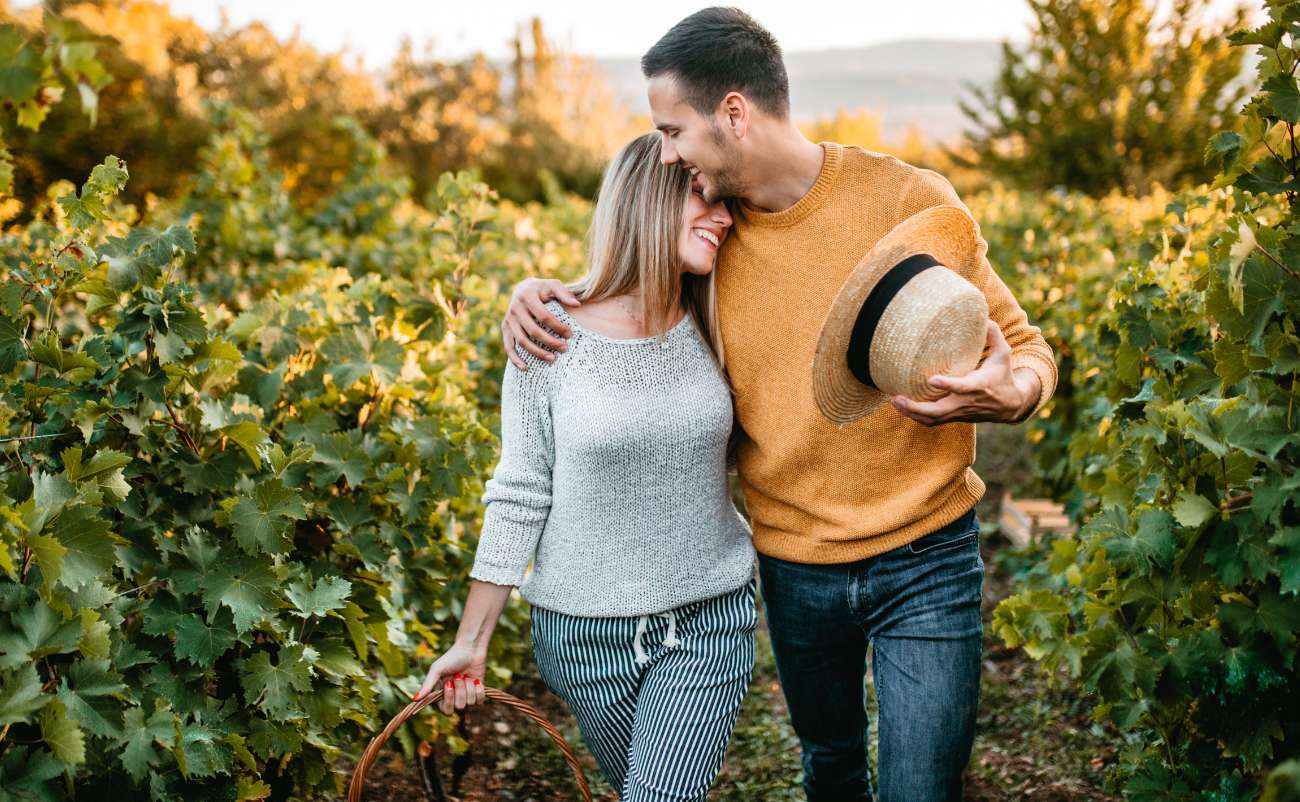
(460, 671)
(527, 310)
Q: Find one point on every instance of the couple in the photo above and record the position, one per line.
(617, 417)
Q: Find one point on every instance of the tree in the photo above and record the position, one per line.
(563, 121)
(1105, 96)
(437, 116)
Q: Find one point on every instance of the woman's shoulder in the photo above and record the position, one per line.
(538, 372)
(558, 309)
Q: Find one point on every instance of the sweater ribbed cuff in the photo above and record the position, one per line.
(510, 576)
(1044, 368)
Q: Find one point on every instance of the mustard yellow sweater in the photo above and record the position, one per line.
(818, 493)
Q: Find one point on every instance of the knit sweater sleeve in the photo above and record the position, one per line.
(1028, 347)
(518, 496)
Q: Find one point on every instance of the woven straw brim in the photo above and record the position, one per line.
(950, 235)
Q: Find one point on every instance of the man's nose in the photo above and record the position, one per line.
(667, 153)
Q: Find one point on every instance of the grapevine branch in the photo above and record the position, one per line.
(184, 433)
(1277, 261)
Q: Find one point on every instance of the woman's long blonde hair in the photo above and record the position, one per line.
(632, 242)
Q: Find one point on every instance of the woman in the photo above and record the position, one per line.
(612, 483)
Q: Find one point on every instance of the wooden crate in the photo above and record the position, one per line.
(1024, 519)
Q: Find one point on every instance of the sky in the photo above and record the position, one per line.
(601, 28)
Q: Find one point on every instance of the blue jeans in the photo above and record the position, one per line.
(918, 607)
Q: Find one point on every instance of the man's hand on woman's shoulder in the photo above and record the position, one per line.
(527, 315)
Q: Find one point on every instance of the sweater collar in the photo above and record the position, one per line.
(832, 157)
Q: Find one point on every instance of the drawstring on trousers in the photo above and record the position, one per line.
(670, 641)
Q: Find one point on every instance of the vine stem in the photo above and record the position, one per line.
(1277, 261)
(374, 405)
(32, 437)
(37, 380)
(1290, 402)
(184, 433)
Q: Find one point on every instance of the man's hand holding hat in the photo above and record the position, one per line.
(992, 392)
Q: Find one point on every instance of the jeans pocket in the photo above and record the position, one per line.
(950, 537)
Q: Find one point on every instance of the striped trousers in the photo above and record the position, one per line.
(655, 697)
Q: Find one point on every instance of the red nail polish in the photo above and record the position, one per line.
(476, 682)
(448, 683)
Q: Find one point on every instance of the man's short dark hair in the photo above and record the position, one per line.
(720, 50)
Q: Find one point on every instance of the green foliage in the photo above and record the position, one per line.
(1103, 97)
(244, 440)
(1178, 603)
(548, 117)
(35, 69)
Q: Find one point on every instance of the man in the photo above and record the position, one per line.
(866, 533)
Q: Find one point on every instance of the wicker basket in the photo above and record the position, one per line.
(493, 695)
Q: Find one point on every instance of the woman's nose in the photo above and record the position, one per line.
(720, 214)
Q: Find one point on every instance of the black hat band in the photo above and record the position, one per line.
(864, 328)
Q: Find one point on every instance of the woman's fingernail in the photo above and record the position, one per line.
(448, 683)
(476, 682)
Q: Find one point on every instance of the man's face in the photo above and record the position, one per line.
(695, 142)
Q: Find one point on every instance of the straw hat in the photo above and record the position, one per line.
(907, 312)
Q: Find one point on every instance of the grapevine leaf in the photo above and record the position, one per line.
(247, 586)
(272, 687)
(13, 348)
(20, 694)
(262, 523)
(1192, 510)
(329, 594)
(89, 544)
(342, 455)
(89, 690)
(142, 736)
(202, 643)
(40, 632)
(62, 735)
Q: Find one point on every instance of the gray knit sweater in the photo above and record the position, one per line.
(612, 479)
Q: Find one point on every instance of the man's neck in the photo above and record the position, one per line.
(783, 170)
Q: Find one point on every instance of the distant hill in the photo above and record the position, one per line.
(908, 83)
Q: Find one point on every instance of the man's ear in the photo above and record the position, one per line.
(735, 112)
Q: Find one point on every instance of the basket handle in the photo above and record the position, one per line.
(372, 751)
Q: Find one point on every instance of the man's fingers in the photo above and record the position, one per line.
(995, 340)
(522, 340)
(936, 409)
(508, 339)
(955, 384)
(929, 413)
(530, 322)
(565, 295)
(540, 336)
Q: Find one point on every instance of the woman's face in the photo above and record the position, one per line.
(706, 227)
